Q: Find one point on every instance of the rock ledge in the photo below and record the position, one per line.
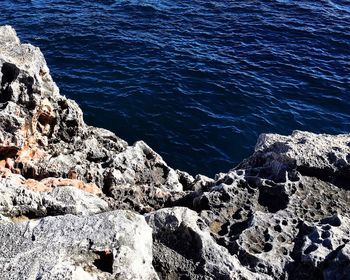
(78, 202)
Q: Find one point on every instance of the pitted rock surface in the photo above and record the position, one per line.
(280, 214)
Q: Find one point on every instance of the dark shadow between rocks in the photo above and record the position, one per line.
(10, 73)
(105, 261)
(341, 179)
(274, 198)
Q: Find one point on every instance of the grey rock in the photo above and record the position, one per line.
(280, 214)
(184, 248)
(43, 133)
(17, 200)
(326, 247)
(318, 155)
(259, 210)
(112, 245)
(71, 200)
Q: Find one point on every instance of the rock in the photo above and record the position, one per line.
(113, 245)
(280, 214)
(139, 164)
(74, 201)
(339, 266)
(184, 249)
(323, 156)
(43, 136)
(325, 248)
(59, 182)
(258, 209)
(142, 198)
(17, 200)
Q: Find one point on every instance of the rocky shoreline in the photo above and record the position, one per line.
(78, 202)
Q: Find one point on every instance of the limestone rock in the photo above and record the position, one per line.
(184, 249)
(43, 135)
(17, 200)
(283, 213)
(326, 247)
(324, 156)
(112, 245)
(257, 210)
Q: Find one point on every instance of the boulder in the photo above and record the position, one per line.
(112, 245)
(184, 248)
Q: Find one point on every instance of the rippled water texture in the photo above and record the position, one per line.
(198, 80)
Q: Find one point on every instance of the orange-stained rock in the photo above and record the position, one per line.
(48, 184)
(36, 186)
(72, 174)
(44, 117)
(60, 182)
(28, 153)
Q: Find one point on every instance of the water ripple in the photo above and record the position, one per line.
(197, 80)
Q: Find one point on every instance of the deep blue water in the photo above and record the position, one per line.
(198, 80)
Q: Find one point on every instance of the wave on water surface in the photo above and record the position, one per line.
(197, 80)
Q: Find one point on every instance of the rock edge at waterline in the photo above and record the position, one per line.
(78, 202)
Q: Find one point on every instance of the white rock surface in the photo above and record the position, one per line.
(113, 245)
(182, 234)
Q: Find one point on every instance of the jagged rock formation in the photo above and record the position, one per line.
(280, 214)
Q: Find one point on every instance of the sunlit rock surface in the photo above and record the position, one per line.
(280, 214)
(112, 245)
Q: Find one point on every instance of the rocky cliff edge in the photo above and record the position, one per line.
(77, 202)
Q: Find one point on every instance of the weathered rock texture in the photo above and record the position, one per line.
(112, 245)
(280, 214)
